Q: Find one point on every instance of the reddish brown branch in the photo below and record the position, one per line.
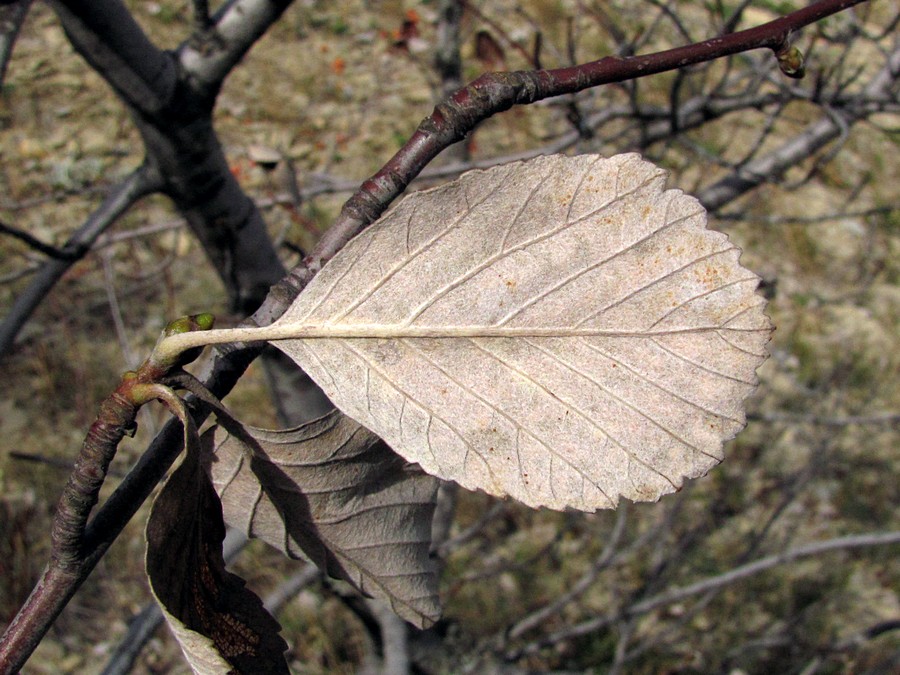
(495, 92)
(69, 566)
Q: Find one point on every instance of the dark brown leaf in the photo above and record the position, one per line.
(332, 492)
(220, 624)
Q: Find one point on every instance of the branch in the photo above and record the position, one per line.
(450, 122)
(12, 16)
(711, 583)
(36, 244)
(202, 20)
(139, 183)
(60, 579)
(806, 143)
(172, 108)
(207, 58)
(394, 634)
(106, 35)
(605, 559)
(826, 421)
(495, 92)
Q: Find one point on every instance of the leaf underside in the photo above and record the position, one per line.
(564, 331)
(220, 624)
(332, 492)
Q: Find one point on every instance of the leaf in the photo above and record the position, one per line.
(333, 492)
(561, 330)
(220, 624)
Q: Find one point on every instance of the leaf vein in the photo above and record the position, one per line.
(502, 413)
(453, 224)
(556, 357)
(370, 364)
(731, 344)
(323, 297)
(578, 274)
(647, 286)
(694, 363)
(657, 385)
(578, 411)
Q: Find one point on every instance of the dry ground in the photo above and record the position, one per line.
(330, 89)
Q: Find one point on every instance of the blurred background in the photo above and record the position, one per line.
(723, 576)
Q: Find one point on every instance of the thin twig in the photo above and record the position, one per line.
(578, 589)
(115, 311)
(37, 244)
(827, 421)
(139, 183)
(496, 92)
(800, 146)
(677, 594)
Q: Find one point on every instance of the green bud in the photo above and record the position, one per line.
(791, 62)
(204, 321)
(187, 324)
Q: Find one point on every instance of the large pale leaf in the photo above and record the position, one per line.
(220, 624)
(562, 330)
(332, 492)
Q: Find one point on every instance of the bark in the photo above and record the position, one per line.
(171, 98)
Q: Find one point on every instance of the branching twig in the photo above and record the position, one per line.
(802, 145)
(712, 582)
(138, 184)
(581, 586)
(496, 92)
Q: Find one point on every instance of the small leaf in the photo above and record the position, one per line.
(334, 493)
(220, 624)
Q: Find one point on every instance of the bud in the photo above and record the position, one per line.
(790, 61)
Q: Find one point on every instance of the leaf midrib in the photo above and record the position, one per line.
(175, 344)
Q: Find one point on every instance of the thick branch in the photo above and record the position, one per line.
(196, 176)
(208, 57)
(107, 37)
(173, 112)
